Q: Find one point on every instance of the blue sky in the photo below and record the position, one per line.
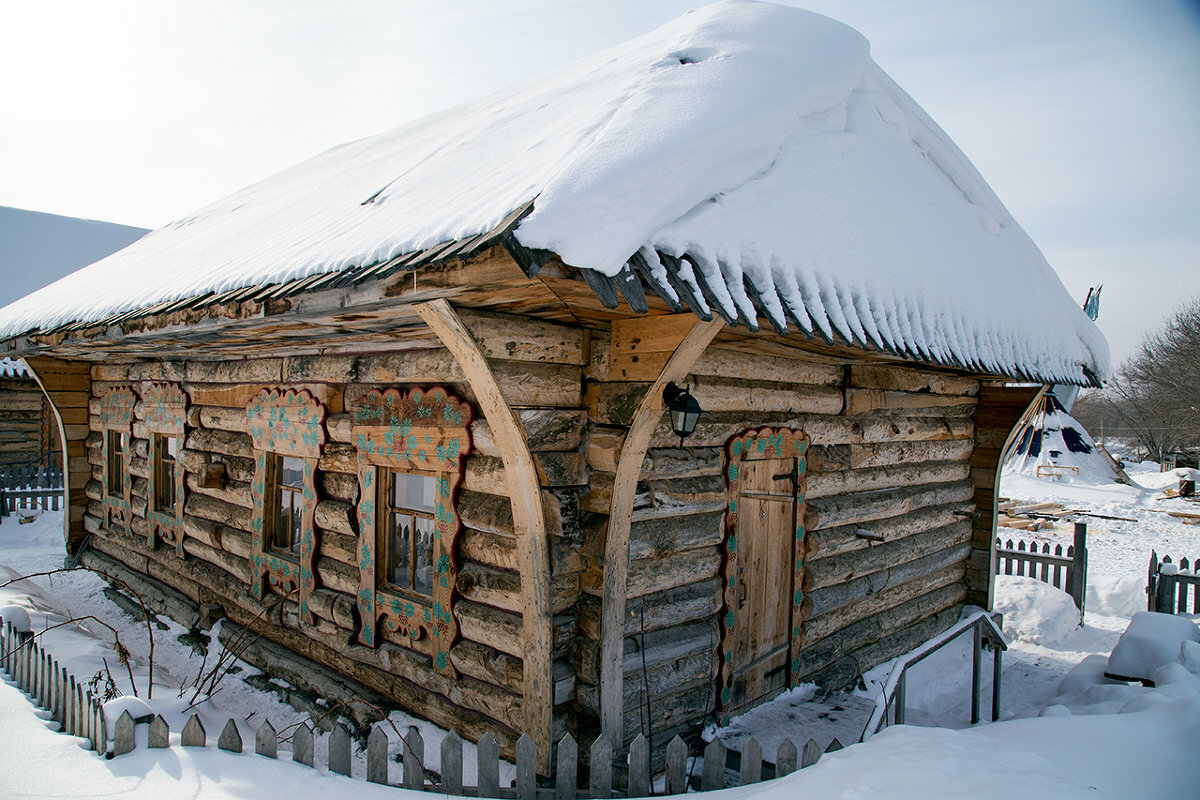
(1083, 115)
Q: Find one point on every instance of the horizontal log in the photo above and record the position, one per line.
(334, 515)
(214, 510)
(824, 600)
(521, 338)
(716, 429)
(488, 665)
(232, 492)
(859, 509)
(238, 395)
(648, 575)
(817, 628)
(237, 567)
(732, 394)
(485, 512)
(256, 370)
(912, 623)
(490, 549)
(907, 379)
(336, 457)
(340, 609)
(339, 546)
(337, 576)
(339, 486)
(660, 538)
(847, 567)
(220, 442)
(829, 484)
(656, 610)
(492, 587)
(841, 540)
(728, 362)
(488, 626)
(908, 404)
(865, 456)
(219, 418)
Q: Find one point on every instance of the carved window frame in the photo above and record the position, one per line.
(284, 423)
(116, 416)
(164, 408)
(764, 443)
(423, 431)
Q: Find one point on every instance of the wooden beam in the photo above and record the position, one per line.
(1000, 409)
(74, 382)
(529, 521)
(616, 552)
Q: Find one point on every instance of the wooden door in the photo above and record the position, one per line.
(763, 566)
(760, 645)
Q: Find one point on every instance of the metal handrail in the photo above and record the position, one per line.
(894, 686)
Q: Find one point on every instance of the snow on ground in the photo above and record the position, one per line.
(1065, 730)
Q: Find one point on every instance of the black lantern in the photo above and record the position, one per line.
(684, 410)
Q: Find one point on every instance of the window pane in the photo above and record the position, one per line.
(423, 572)
(164, 472)
(116, 463)
(172, 446)
(413, 491)
(291, 472)
(399, 549)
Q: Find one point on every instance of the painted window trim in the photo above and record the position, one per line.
(116, 414)
(764, 443)
(284, 423)
(165, 410)
(424, 430)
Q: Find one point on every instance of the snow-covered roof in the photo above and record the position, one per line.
(13, 368)
(759, 144)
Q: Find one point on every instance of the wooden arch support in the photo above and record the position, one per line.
(620, 518)
(1000, 408)
(529, 521)
(68, 387)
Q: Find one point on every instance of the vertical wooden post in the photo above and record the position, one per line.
(529, 520)
(997, 668)
(488, 767)
(976, 673)
(452, 764)
(1164, 599)
(1078, 587)
(414, 760)
(898, 699)
(620, 519)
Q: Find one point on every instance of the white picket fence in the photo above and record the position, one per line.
(50, 686)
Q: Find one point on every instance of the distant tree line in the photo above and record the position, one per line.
(1153, 399)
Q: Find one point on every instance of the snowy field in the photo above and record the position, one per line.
(1079, 737)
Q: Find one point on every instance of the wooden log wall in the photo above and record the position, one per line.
(20, 421)
(891, 453)
(538, 367)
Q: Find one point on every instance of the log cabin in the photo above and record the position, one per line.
(399, 409)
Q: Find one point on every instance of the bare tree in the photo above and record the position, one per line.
(1154, 397)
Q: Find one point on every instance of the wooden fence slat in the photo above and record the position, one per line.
(785, 758)
(414, 759)
(676, 766)
(811, 753)
(302, 745)
(159, 734)
(600, 758)
(339, 750)
(230, 738)
(488, 766)
(526, 768)
(566, 779)
(266, 740)
(639, 767)
(194, 734)
(123, 734)
(76, 708)
(101, 740)
(377, 756)
(751, 762)
(713, 776)
(452, 764)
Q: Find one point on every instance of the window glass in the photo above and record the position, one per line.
(166, 449)
(408, 545)
(289, 504)
(116, 463)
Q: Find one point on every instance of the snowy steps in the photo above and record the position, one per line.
(824, 718)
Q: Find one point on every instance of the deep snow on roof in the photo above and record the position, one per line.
(760, 142)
